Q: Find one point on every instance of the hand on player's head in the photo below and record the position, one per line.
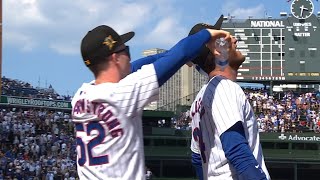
(215, 34)
(219, 33)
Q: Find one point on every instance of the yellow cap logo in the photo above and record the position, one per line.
(87, 62)
(108, 41)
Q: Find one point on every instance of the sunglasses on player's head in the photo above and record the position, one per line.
(126, 50)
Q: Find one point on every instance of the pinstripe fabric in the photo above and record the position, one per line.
(118, 108)
(222, 104)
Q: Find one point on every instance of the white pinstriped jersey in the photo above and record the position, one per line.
(109, 126)
(218, 106)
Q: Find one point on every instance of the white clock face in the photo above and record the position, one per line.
(302, 9)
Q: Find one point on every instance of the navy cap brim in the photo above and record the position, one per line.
(126, 37)
(200, 26)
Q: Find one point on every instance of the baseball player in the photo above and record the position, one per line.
(196, 138)
(224, 122)
(107, 111)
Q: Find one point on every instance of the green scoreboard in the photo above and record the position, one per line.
(284, 49)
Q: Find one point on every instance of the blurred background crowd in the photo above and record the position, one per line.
(13, 87)
(287, 111)
(36, 144)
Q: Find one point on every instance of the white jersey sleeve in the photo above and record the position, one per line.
(227, 106)
(138, 89)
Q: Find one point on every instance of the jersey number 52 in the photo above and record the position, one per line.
(86, 149)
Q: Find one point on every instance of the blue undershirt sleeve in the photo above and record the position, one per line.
(238, 153)
(137, 64)
(197, 164)
(185, 50)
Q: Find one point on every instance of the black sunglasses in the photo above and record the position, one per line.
(126, 50)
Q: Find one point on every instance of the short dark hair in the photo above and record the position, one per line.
(98, 67)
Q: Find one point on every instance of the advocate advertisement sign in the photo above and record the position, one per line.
(299, 137)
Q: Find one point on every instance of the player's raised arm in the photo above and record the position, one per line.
(137, 64)
(186, 49)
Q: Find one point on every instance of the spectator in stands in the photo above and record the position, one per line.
(148, 174)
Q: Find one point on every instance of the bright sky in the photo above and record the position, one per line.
(41, 38)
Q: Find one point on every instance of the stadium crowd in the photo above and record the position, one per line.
(36, 144)
(13, 87)
(286, 112)
(283, 112)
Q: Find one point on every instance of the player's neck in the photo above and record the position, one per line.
(108, 76)
(228, 72)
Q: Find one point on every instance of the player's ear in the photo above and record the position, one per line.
(114, 57)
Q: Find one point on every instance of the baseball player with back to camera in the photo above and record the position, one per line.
(107, 111)
(223, 123)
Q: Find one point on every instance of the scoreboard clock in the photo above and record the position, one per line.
(302, 9)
